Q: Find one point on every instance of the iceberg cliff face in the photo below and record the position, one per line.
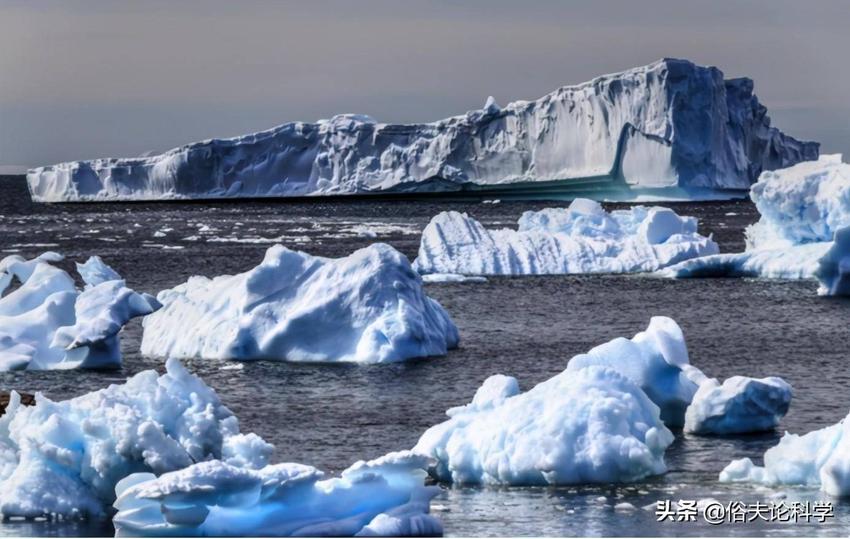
(670, 124)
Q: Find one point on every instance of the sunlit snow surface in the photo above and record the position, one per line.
(668, 125)
(47, 323)
(583, 238)
(368, 307)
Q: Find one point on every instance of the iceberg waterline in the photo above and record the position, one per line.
(46, 323)
(670, 124)
(583, 238)
(368, 307)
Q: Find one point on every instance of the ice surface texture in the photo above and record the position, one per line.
(384, 497)
(46, 323)
(819, 458)
(369, 307)
(668, 124)
(739, 405)
(804, 209)
(583, 238)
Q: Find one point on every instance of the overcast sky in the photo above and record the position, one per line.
(83, 79)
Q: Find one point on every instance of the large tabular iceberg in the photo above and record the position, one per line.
(46, 323)
(819, 458)
(383, 497)
(668, 125)
(369, 307)
(803, 210)
(583, 238)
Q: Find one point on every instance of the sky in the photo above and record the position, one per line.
(84, 79)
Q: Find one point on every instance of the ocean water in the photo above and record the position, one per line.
(332, 415)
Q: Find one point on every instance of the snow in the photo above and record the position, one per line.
(656, 360)
(670, 125)
(587, 424)
(65, 457)
(739, 405)
(368, 307)
(46, 323)
(582, 238)
(384, 497)
(802, 209)
(819, 458)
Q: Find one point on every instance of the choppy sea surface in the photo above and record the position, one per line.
(332, 415)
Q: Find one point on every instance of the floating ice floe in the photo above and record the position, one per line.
(820, 458)
(605, 419)
(599, 421)
(368, 307)
(803, 210)
(64, 458)
(583, 238)
(452, 278)
(46, 323)
(739, 405)
(671, 128)
(383, 497)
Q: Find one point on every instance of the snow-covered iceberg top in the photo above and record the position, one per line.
(64, 458)
(803, 210)
(667, 125)
(46, 323)
(819, 458)
(368, 307)
(583, 238)
(383, 497)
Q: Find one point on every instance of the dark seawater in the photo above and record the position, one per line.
(332, 415)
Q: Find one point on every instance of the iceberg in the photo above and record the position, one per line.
(656, 360)
(592, 423)
(583, 238)
(803, 208)
(739, 405)
(820, 458)
(668, 127)
(383, 497)
(64, 458)
(368, 307)
(46, 323)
